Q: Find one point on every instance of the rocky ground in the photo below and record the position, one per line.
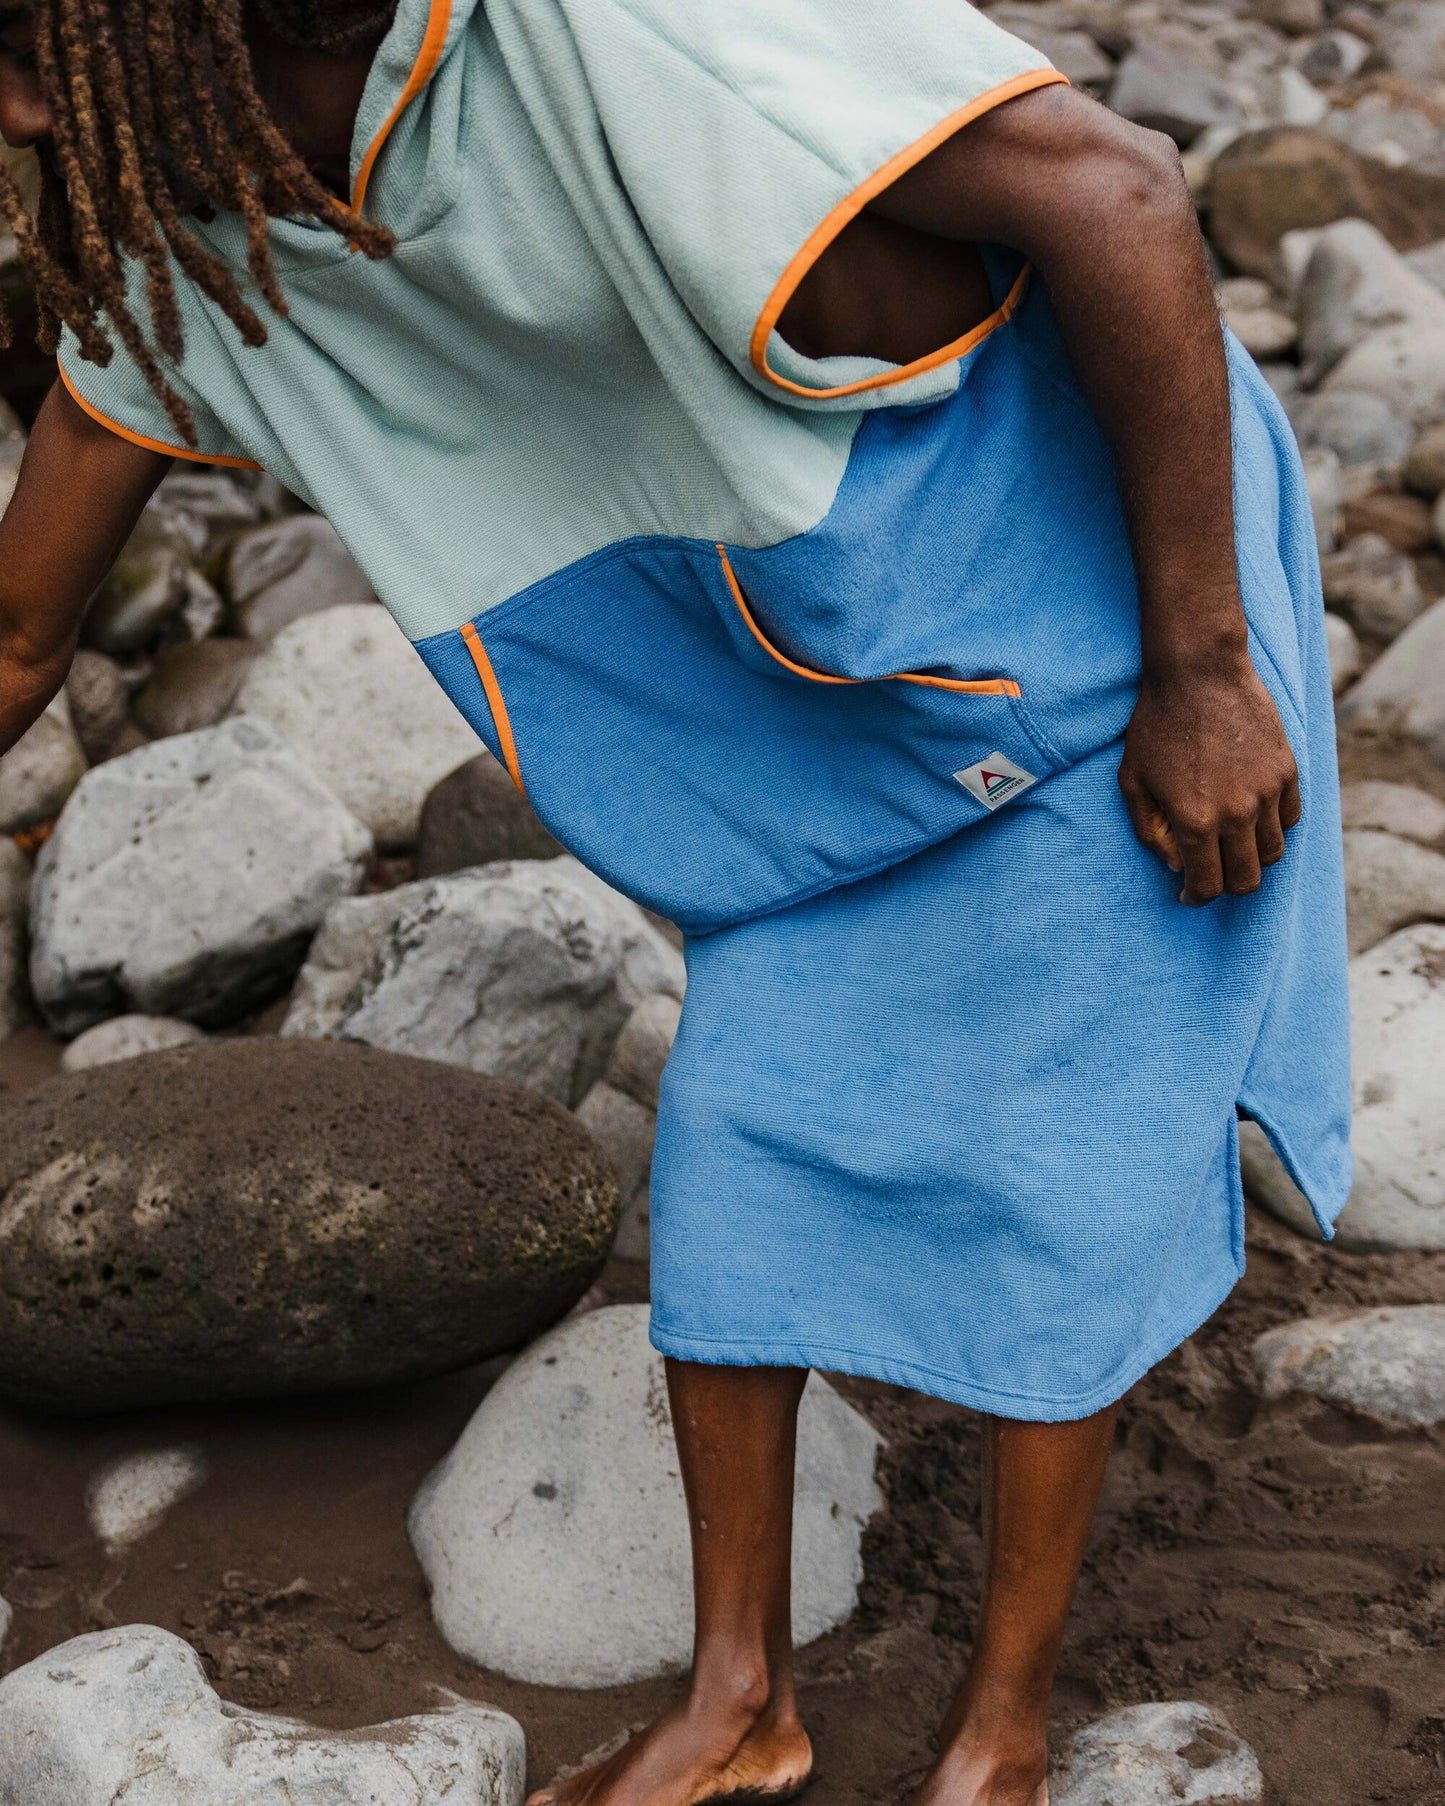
(265, 913)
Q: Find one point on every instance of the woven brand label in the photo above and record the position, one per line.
(995, 780)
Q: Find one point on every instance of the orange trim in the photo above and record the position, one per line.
(495, 702)
(965, 686)
(147, 444)
(848, 209)
(422, 70)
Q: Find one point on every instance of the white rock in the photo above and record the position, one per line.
(554, 1534)
(1390, 1362)
(128, 1716)
(1358, 428)
(1393, 809)
(184, 879)
(1397, 1054)
(123, 1037)
(1292, 259)
(1173, 1753)
(40, 770)
(1389, 883)
(1403, 365)
(1170, 93)
(1373, 586)
(129, 1497)
(14, 918)
(1291, 98)
(1429, 262)
(1322, 477)
(1345, 654)
(288, 568)
(1404, 690)
(1411, 35)
(1263, 331)
(525, 970)
(1355, 284)
(363, 711)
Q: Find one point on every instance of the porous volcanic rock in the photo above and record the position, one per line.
(253, 1217)
(477, 816)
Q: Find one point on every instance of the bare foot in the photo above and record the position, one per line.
(977, 1778)
(697, 1752)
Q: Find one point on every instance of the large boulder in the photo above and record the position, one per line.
(477, 816)
(288, 568)
(1169, 1753)
(1397, 1041)
(1354, 284)
(359, 706)
(1390, 1362)
(40, 770)
(1404, 690)
(186, 879)
(252, 1217)
(525, 970)
(555, 1534)
(1389, 883)
(14, 924)
(128, 1715)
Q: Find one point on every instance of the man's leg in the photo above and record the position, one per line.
(737, 1726)
(1041, 1483)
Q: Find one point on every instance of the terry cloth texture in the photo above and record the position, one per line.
(829, 660)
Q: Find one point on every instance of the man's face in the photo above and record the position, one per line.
(24, 112)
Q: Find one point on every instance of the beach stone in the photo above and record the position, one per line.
(1354, 284)
(1390, 1362)
(1402, 522)
(477, 816)
(1374, 586)
(128, 1716)
(40, 770)
(1155, 87)
(1358, 428)
(186, 879)
(145, 587)
(1389, 884)
(15, 874)
(1394, 809)
(1263, 331)
(123, 1037)
(1403, 365)
(1404, 690)
(1423, 470)
(1410, 35)
(359, 706)
(526, 970)
(1397, 1054)
(554, 1534)
(253, 1218)
(1170, 1753)
(1322, 478)
(620, 1112)
(1334, 56)
(1071, 49)
(192, 686)
(211, 505)
(99, 702)
(1297, 17)
(130, 1495)
(288, 568)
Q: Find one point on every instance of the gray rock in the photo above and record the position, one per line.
(146, 586)
(1392, 135)
(124, 1037)
(12, 453)
(524, 970)
(1389, 884)
(1410, 36)
(554, 1534)
(1358, 428)
(1322, 475)
(187, 878)
(192, 686)
(1429, 262)
(130, 1495)
(15, 873)
(1373, 586)
(1397, 1051)
(1160, 89)
(620, 1111)
(128, 1715)
(1265, 332)
(40, 770)
(1334, 56)
(359, 706)
(255, 1218)
(211, 505)
(1171, 1753)
(1346, 656)
(288, 568)
(1355, 284)
(477, 816)
(1390, 1362)
(1403, 365)
(99, 703)
(1393, 809)
(1404, 690)
(1068, 47)
(1297, 17)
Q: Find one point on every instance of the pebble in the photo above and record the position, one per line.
(40, 770)
(1170, 94)
(1354, 285)
(192, 686)
(146, 586)
(1389, 1362)
(130, 1495)
(288, 568)
(1389, 883)
(1358, 428)
(1170, 1753)
(1393, 809)
(1373, 585)
(1404, 690)
(99, 703)
(1402, 521)
(128, 1715)
(124, 1037)
(477, 816)
(1424, 467)
(1345, 653)
(1403, 365)
(554, 1535)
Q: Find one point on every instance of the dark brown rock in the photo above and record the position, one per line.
(1403, 521)
(476, 815)
(192, 686)
(256, 1217)
(98, 697)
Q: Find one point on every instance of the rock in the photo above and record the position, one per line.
(1322, 475)
(360, 707)
(1423, 470)
(129, 1715)
(14, 953)
(1358, 428)
(201, 613)
(1372, 585)
(1404, 690)
(1291, 98)
(192, 686)
(1393, 809)
(1297, 17)
(1429, 262)
(1410, 35)
(12, 453)
(145, 588)
(98, 701)
(1334, 56)
(256, 1218)
(477, 816)
(288, 568)
(186, 880)
(554, 1534)
(7, 1618)
(1390, 135)
(124, 1037)
(1155, 87)
(1389, 884)
(1397, 1042)
(40, 770)
(1402, 522)
(1346, 656)
(1171, 1753)
(1263, 331)
(1354, 284)
(620, 1112)
(525, 970)
(129, 1497)
(1389, 1362)
(1403, 365)
(211, 505)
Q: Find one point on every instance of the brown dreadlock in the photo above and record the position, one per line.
(157, 116)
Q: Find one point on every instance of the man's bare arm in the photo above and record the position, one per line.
(1101, 208)
(80, 492)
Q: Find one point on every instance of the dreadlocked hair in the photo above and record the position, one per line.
(156, 116)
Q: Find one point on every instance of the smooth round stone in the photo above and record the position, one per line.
(477, 816)
(129, 1497)
(124, 1037)
(1398, 809)
(1390, 1362)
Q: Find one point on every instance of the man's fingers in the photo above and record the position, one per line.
(1203, 868)
(1151, 824)
(1241, 860)
(1269, 834)
(1289, 803)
